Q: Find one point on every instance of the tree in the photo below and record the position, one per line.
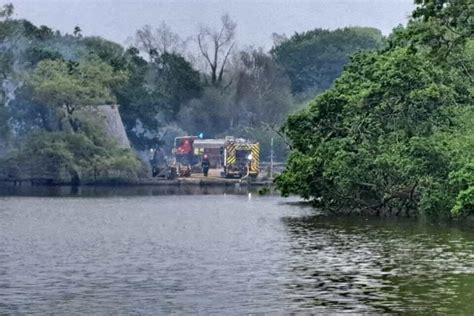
(77, 32)
(216, 46)
(279, 39)
(454, 16)
(108, 51)
(172, 79)
(314, 59)
(7, 11)
(6, 70)
(158, 41)
(365, 143)
(67, 86)
(155, 93)
(262, 89)
(392, 135)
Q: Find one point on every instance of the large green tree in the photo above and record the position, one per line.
(68, 86)
(386, 136)
(173, 81)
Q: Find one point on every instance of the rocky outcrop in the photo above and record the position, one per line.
(105, 117)
(112, 122)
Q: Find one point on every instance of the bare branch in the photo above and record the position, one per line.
(203, 50)
(218, 44)
(224, 62)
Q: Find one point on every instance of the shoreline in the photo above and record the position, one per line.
(192, 181)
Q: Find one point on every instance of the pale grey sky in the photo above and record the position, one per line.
(257, 19)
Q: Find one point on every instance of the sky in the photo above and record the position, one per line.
(118, 20)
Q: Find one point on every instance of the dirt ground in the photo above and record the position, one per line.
(213, 173)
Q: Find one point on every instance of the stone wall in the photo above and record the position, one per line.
(113, 123)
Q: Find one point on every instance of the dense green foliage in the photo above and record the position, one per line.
(49, 81)
(85, 156)
(395, 133)
(314, 59)
(69, 86)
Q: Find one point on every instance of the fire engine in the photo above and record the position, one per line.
(241, 158)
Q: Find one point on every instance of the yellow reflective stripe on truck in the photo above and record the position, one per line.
(231, 159)
(255, 165)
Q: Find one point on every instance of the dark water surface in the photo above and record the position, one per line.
(104, 251)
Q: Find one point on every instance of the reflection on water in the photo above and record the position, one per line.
(380, 265)
(123, 190)
(145, 252)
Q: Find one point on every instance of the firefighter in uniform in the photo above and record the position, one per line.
(205, 164)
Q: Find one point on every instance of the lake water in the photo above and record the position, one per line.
(167, 250)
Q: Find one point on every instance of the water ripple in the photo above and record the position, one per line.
(213, 253)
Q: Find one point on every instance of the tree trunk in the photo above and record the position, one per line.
(75, 179)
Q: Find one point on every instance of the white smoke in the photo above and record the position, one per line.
(9, 86)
